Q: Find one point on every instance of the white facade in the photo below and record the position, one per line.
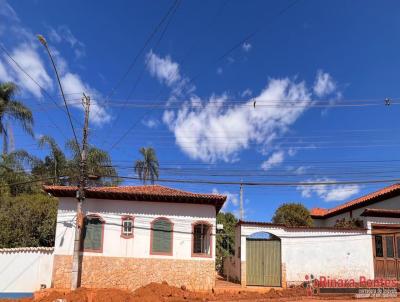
(321, 252)
(25, 270)
(182, 215)
(390, 203)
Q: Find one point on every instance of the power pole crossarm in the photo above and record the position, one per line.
(75, 278)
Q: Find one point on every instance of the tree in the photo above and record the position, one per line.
(54, 165)
(27, 220)
(148, 168)
(14, 179)
(352, 223)
(99, 167)
(13, 110)
(225, 239)
(292, 214)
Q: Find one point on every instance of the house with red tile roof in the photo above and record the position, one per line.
(383, 203)
(134, 235)
(268, 254)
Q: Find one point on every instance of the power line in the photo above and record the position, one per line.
(311, 183)
(44, 43)
(139, 78)
(249, 36)
(37, 84)
(146, 43)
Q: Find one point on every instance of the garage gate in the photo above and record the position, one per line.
(263, 262)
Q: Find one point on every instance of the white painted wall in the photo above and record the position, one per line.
(391, 203)
(23, 270)
(182, 215)
(333, 253)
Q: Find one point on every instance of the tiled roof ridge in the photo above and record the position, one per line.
(321, 213)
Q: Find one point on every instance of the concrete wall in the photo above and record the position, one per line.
(333, 253)
(23, 270)
(181, 215)
(391, 203)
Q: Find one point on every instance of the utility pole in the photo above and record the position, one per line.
(80, 194)
(241, 201)
(76, 259)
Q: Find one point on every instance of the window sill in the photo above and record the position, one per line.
(200, 255)
(161, 254)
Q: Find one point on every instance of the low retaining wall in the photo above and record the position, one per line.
(132, 273)
(25, 270)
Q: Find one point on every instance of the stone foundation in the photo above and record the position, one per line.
(131, 273)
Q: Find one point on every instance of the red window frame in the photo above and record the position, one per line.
(100, 250)
(172, 237)
(202, 255)
(124, 218)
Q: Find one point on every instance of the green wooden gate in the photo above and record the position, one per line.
(263, 262)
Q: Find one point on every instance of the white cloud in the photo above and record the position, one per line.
(274, 160)
(236, 126)
(324, 84)
(163, 69)
(150, 123)
(72, 83)
(6, 11)
(30, 61)
(329, 192)
(219, 70)
(246, 93)
(198, 122)
(232, 201)
(64, 34)
(4, 75)
(246, 46)
(26, 53)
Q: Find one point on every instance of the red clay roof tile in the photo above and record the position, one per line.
(387, 192)
(141, 193)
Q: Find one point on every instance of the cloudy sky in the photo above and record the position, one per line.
(260, 91)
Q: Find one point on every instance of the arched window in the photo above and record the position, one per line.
(202, 239)
(161, 237)
(93, 234)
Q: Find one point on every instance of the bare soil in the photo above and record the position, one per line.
(155, 292)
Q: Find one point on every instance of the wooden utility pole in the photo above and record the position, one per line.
(80, 194)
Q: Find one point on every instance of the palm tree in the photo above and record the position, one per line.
(14, 110)
(148, 168)
(55, 164)
(99, 166)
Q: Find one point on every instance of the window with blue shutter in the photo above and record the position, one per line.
(161, 237)
(93, 234)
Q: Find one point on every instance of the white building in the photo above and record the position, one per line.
(274, 255)
(135, 235)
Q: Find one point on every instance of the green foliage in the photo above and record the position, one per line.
(12, 109)
(225, 242)
(14, 179)
(98, 164)
(351, 223)
(292, 214)
(148, 168)
(27, 220)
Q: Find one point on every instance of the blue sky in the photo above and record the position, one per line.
(318, 70)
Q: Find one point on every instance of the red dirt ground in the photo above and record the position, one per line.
(155, 292)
